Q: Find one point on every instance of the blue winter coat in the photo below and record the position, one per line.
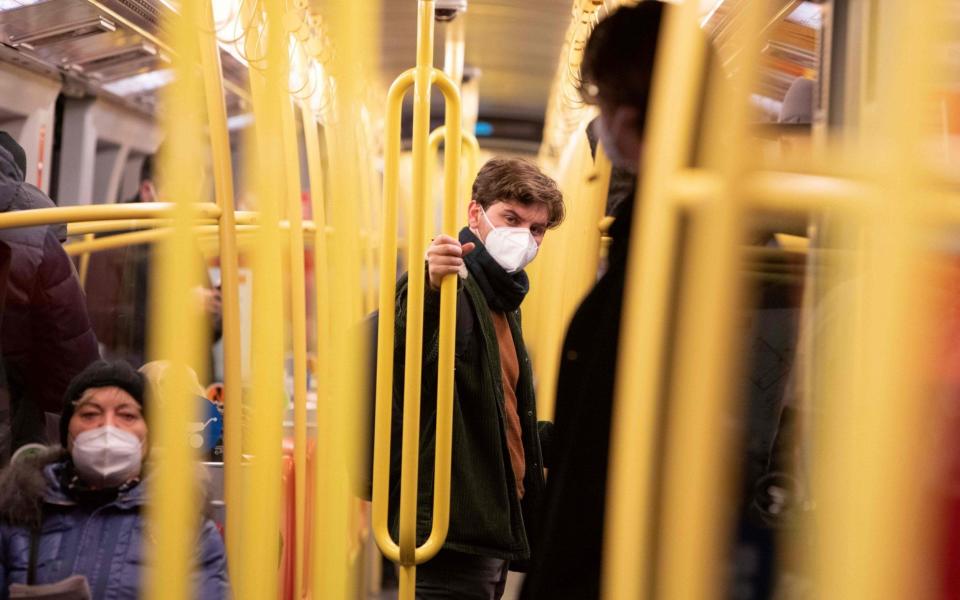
(104, 544)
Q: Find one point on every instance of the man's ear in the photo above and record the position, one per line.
(473, 215)
(148, 192)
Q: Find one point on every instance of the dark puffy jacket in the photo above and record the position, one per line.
(45, 334)
(103, 543)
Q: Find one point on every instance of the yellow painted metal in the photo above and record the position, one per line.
(175, 327)
(405, 552)
(354, 31)
(229, 280)
(100, 212)
(448, 314)
(112, 225)
(321, 272)
(387, 316)
(85, 262)
(567, 264)
(423, 76)
(700, 457)
(628, 555)
(471, 154)
(298, 331)
(260, 509)
(123, 240)
(888, 547)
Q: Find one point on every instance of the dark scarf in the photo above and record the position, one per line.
(504, 291)
(85, 495)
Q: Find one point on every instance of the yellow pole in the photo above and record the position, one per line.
(75, 229)
(261, 506)
(320, 265)
(423, 76)
(353, 28)
(229, 284)
(123, 240)
(628, 531)
(875, 441)
(448, 317)
(471, 154)
(298, 318)
(700, 456)
(471, 151)
(175, 332)
(387, 316)
(85, 262)
(100, 212)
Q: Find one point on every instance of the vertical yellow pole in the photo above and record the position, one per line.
(628, 531)
(175, 326)
(320, 264)
(85, 261)
(261, 542)
(700, 460)
(352, 27)
(416, 281)
(471, 151)
(230, 286)
(387, 320)
(875, 441)
(448, 318)
(298, 321)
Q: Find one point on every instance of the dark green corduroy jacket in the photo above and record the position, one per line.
(486, 517)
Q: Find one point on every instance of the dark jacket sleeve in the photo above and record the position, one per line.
(211, 575)
(66, 343)
(545, 432)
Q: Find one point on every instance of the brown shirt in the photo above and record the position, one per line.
(510, 372)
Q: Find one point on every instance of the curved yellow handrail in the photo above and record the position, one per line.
(471, 154)
(101, 212)
(406, 552)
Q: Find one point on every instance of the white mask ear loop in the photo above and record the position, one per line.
(476, 231)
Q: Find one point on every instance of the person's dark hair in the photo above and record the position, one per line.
(101, 374)
(521, 181)
(146, 169)
(618, 60)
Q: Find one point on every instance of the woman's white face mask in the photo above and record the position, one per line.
(107, 456)
(512, 247)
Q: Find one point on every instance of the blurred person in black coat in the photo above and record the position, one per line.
(45, 333)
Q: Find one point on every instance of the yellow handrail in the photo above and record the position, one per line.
(229, 279)
(471, 154)
(100, 212)
(175, 325)
(85, 262)
(260, 507)
(628, 556)
(298, 331)
(112, 225)
(406, 552)
(321, 272)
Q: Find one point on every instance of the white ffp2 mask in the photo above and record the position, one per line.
(107, 456)
(512, 247)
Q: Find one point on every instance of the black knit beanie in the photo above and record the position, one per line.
(101, 374)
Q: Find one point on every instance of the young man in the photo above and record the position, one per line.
(616, 71)
(118, 289)
(497, 472)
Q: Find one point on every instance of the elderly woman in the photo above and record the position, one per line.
(79, 510)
